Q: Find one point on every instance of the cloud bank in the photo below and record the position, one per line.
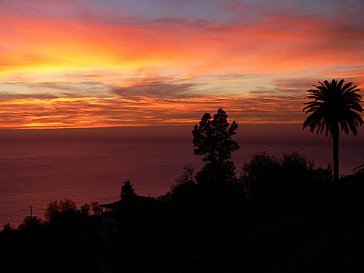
(113, 63)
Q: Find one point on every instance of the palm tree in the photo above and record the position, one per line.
(334, 107)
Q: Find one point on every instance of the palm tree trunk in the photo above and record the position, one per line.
(335, 143)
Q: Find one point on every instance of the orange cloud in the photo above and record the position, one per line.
(281, 43)
(90, 71)
(141, 110)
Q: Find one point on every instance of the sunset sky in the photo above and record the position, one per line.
(93, 63)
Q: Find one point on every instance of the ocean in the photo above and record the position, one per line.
(84, 165)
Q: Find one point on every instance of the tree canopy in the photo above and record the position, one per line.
(333, 107)
(212, 137)
(127, 190)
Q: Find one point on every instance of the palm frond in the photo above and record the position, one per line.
(333, 104)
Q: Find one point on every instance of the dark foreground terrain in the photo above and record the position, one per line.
(280, 215)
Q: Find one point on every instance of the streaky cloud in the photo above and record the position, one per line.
(156, 87)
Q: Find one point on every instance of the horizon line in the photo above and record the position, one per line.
(129, 126)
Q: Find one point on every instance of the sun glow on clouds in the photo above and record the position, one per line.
(113, 111)
(91, 63)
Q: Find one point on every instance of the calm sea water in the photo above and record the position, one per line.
(39, 166)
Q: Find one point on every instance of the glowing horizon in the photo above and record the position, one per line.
(77, 64)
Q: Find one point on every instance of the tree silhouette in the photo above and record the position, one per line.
(212, 137)
(288, 179)
(334, 107)
(127, 190)
(58, 209)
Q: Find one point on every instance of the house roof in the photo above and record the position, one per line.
(137, 200)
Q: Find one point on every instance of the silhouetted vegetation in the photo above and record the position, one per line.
(67, 241)
(127, 190)
(212, 138)
(293, 178)
(278, 215)
(334, 107)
